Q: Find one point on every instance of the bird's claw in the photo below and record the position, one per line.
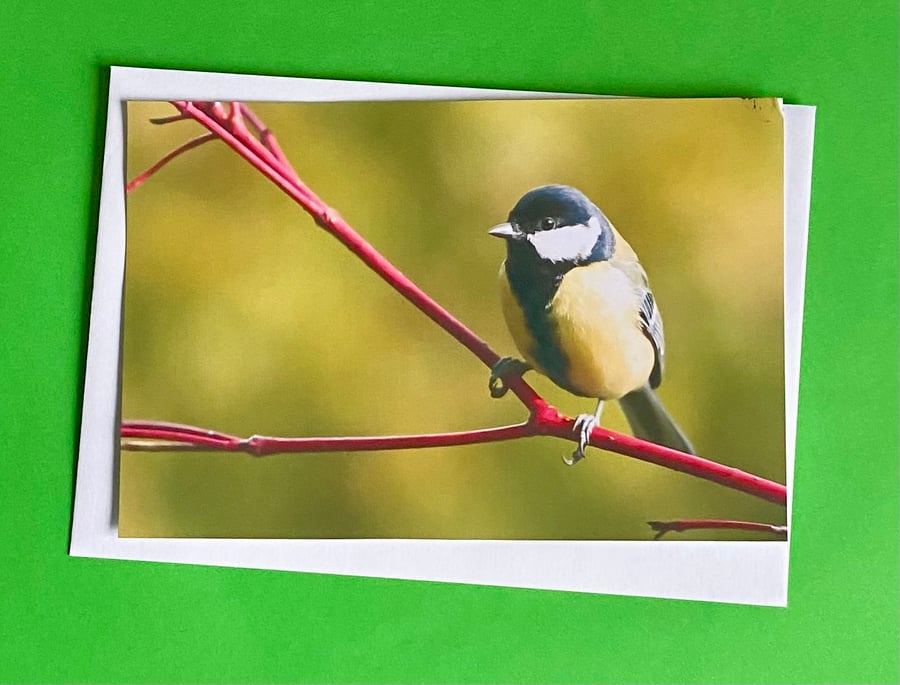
(584, 424)
(507, 366)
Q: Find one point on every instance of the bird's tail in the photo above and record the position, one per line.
(649, 420)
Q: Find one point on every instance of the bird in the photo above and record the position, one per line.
(579, 307)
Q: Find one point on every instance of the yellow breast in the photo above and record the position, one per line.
(595, 324)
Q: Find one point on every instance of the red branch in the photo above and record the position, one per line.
(663, 527)
(140, 431)
(264, 154)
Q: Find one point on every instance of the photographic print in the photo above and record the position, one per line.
(641, 244)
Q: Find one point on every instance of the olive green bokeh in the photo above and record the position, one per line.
(241, 315)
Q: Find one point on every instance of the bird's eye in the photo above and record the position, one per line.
(547, 223)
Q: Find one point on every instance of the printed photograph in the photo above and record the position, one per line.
(487, 320)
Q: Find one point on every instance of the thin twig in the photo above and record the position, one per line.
(190, 145)
(663, 527)
(260, 445)
(161, 121)
(267, 138)
(180, 428)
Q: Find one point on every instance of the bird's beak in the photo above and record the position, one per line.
(506, 231)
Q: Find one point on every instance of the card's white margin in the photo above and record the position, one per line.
(737, 572)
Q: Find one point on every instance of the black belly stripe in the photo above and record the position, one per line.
(533, 284)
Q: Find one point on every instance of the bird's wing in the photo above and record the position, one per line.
(625, 259)
(652, 326)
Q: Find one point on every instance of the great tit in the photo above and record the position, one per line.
(579, 308)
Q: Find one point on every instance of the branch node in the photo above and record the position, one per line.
(217, 109)
(327, 217)
(254, 446)
(545, 416)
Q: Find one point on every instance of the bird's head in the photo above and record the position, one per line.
(560, 225)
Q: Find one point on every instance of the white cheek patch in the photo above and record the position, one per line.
(566, 243)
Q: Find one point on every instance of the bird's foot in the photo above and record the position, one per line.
(584, 424)
(507, 366)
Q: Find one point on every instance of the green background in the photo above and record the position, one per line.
(95, 620)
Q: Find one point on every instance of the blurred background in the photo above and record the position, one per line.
(242, 316)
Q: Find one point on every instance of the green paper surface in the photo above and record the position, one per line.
(88, 620)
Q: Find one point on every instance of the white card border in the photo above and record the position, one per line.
(738, 572)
